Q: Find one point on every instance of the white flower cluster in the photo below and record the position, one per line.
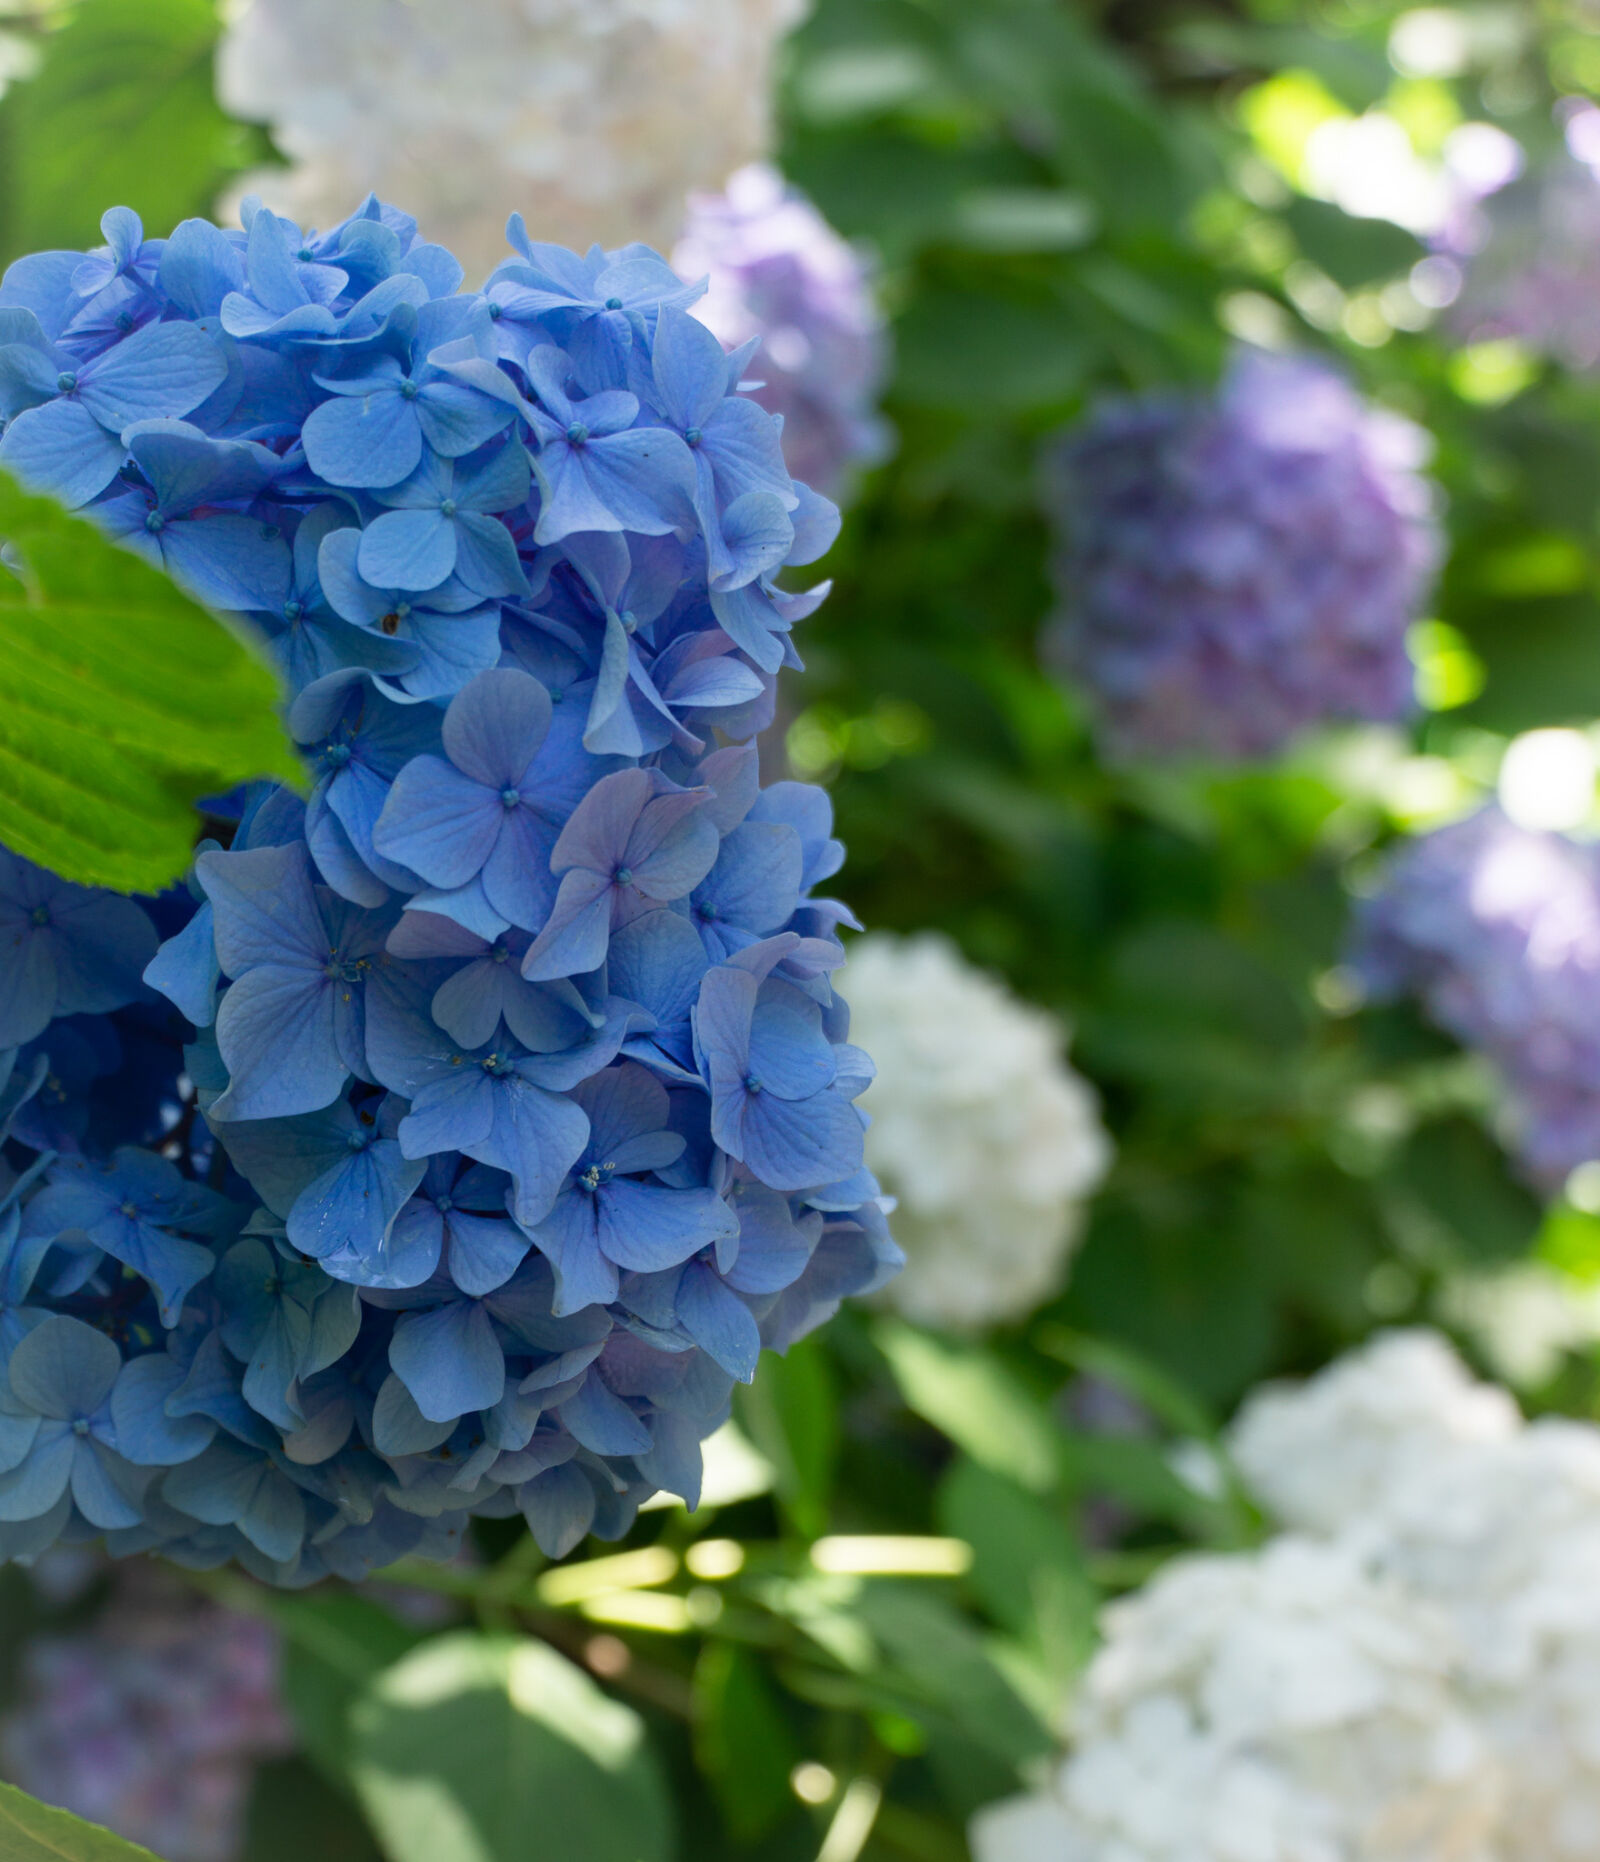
(988, 1138)
(593, 118)
(1410, 1674)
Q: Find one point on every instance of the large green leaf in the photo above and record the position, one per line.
(969, 1393)
(497, 1749)
(124, 702)
(122, 111)
(34, 1832)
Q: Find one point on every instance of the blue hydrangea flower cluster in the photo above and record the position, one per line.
(1237, 567)
(1497, 929)
(462, 1134)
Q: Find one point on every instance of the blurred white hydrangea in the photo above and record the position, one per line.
(1411, 1674)
(981, 1129)
(779, 272)
(1279, 1706)
(1323, 1453)
(593, 118)
(1495, 1523)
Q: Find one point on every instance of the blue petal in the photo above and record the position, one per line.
(64, 1369)
(449, 1359)
(366, 441)
(718, 1321)
(146, 1433)
(62, 449)
(407, 549)
(602, 1422)
(559, 1508)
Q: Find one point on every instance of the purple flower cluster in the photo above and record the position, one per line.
(509, 1112)
(776, 270)
(152, 1720)
(1531, 256)
(1497, 929)
(1234, 568)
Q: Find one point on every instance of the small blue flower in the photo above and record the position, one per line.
(64, 949)
(611, 1214)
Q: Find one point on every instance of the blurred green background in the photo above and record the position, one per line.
(871, 1628)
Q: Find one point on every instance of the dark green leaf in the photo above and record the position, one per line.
(1353, 252)
(125, 702)
(791, 1414)
(742, 1741)
(967, 1392)
(335, 1644)
(1027, 1570)
(497, 1749)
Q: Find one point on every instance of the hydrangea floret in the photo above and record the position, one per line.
(1495, 928)
(1234, 568)
(464, 1130)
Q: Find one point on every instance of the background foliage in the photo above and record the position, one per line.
(866, 1631)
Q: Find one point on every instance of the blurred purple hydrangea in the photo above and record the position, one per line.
(1497, 929)
(1530, 254)
(152, 1720)
(1233, 568)
(779, 272)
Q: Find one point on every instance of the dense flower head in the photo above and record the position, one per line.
(986, 1137)
(1411, 1671)
(151, 1719)
(1285, 1705)
(1530, 254)
(1496, 928)
(1236, 567)
(605, 112)
(777, 270)
(484, 1112)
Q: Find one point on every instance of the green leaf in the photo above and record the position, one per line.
(791, 1413)
(969, 1394)
(34, 1832)
(1353, 252)
(125, 702)
(335, 1645)
(1027, 1570)
(122, 110)
(743, 1742)
(497, 1749)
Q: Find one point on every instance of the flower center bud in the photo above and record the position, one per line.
(40, 915)
(292, 610)
(577, 433)
(155, 523)
(694, 436)
(80, 1426)
(623, 876)
(66, 381)
(613, 303)
(496, 312)
(751, 1083)
(337, 754)
(130, 1210)
(408, 391)
(448, 508)
(509, 798)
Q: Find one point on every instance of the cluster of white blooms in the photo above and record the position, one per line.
(593, 118)
(1281, 1706)
(988, 1138)
(1321, 1454)
(1410, 1674)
